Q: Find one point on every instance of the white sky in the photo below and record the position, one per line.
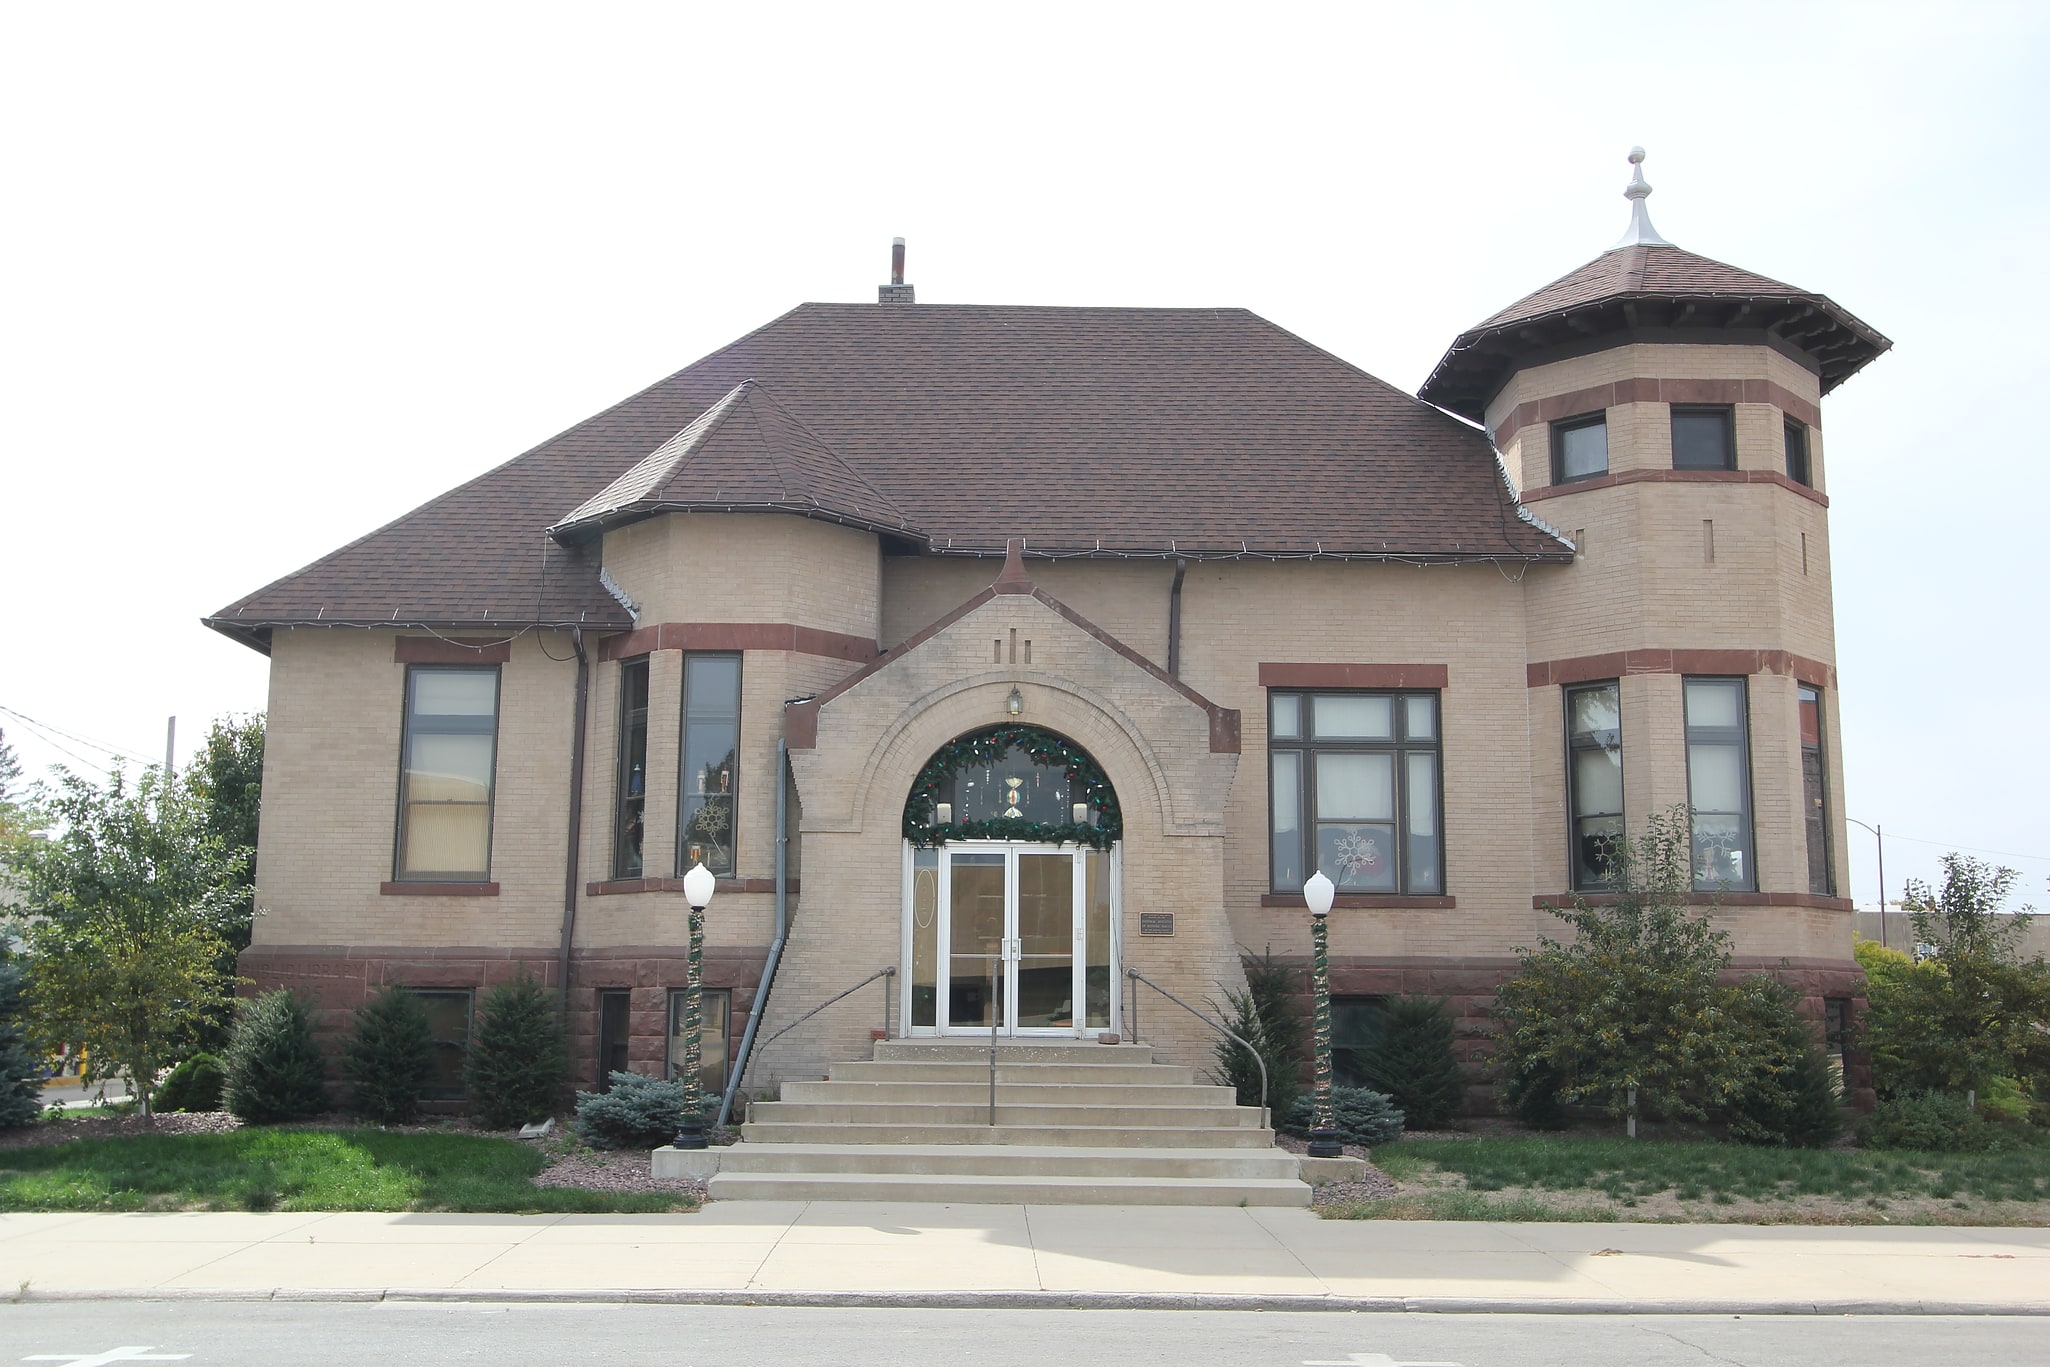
(271, 275)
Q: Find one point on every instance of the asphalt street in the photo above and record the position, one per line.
(205, 1334)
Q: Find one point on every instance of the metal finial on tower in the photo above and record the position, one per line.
(1641, 233)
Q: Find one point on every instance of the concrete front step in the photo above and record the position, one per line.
(965, 1112)
(1008, 1160)
(1050, 1091)
(1080, 1136)
(1028, 1190)
(918, 1070)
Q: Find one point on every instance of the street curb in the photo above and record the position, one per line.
(1054, 1300)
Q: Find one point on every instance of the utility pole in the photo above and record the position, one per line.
(170, 741)
(1878, 834)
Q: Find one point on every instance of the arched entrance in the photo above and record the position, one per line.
(1011, 889)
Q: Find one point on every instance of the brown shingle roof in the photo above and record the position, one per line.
(1639, 288)
(1087, 431)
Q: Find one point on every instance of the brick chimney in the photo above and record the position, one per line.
(896, 292)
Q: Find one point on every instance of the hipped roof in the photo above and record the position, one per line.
(1086, 431)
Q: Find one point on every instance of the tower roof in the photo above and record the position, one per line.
(1645, 288)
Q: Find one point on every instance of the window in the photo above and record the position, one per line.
(630, 804)
(448, 1023)
(450, 748)
(1704, 439)
(717, 1008)
(1580, 448)
(711, 740)
(1836, 1035)
(1797, 453)
(1354, 790)
(1594, 780)
(1815, 794)
(1719, 784)
(615, 1034)
(1355, 1035)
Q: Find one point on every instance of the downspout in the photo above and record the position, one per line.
(576, 814)
(761, 1001)
(1174, 619)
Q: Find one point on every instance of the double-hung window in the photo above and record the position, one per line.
(1797, 453)
(1815, 794)
(1594, 780)
(445, 779)
(1719, 785)
(1580, 448)
(1704, 438)
(1354, 788)
(711, 748)
(630, 787)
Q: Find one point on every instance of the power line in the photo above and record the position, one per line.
(81, 740)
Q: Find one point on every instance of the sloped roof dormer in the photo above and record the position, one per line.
(745, 453)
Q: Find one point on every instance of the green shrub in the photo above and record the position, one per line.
(194, 1085)
(1931, 1121)
(1530, 1092)
(518, 1066)
(1269, 1015)
(638, 1113)
(1791, 1098)
(1412, 1061)
(1361, 1116)
(21, 1080)
(389, 1056)
(274, 1067)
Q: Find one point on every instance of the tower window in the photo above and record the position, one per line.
(1719, 784)
(1704, 438)
(1797, 454)
(1580, 448)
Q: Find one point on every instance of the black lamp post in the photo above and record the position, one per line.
(697, 890)
(1318, 892)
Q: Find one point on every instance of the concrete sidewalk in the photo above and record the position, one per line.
(823, 1253)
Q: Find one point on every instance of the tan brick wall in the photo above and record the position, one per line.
(749, 567)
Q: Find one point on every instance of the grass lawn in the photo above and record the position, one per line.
(264, 1169)
(1568, 1177)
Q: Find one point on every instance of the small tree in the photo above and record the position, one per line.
(1411, 1060)
(389, 1056)
(226, 779)
(21, 1083)
(127, 904)
(1269, 1016)
(1792, 1097)
(275, 1069)
(1973, 1011)
(518, 1066)
(1630, 1016)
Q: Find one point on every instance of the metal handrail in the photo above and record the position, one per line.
(1137, 976)
(995, 1016)
(879, 973)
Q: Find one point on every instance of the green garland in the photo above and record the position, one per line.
(1086, 780)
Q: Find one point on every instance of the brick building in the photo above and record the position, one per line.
(1088, 635)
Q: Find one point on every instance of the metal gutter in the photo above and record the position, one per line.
(576, 815)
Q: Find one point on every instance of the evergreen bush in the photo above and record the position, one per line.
(518, 1065)
(194, 1085)
(1360, 1115)
(638, 1113)
(1269, 1015)
(1412, 1061)
(1792, 1097)
(389, 1056)
(1930, 1121)
(274, 1066)
(21, 1072)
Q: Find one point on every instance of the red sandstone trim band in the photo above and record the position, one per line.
(831, 645)
(613, 887)
(1363, 902)
(1581, 486)
(1709, 899)
(433, 650)
(1353, 676)
(438, 889)
(1617, 664)
(1647, 390)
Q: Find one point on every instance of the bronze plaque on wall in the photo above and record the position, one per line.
(1156, 923)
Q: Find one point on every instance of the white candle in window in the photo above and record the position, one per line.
(1081, 814)
(943, 813)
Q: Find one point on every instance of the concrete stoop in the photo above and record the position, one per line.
(1075, 1124)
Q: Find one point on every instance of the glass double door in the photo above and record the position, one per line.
(1016, 936)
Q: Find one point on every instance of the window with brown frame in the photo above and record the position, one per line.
(1594, 780)
(1797, 453)
(630, 801)
(450, 750)
(1580, 448)
(1815, 794)
(1354, 791)
(1719, 784)
(710, 769)
(1704, 437)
